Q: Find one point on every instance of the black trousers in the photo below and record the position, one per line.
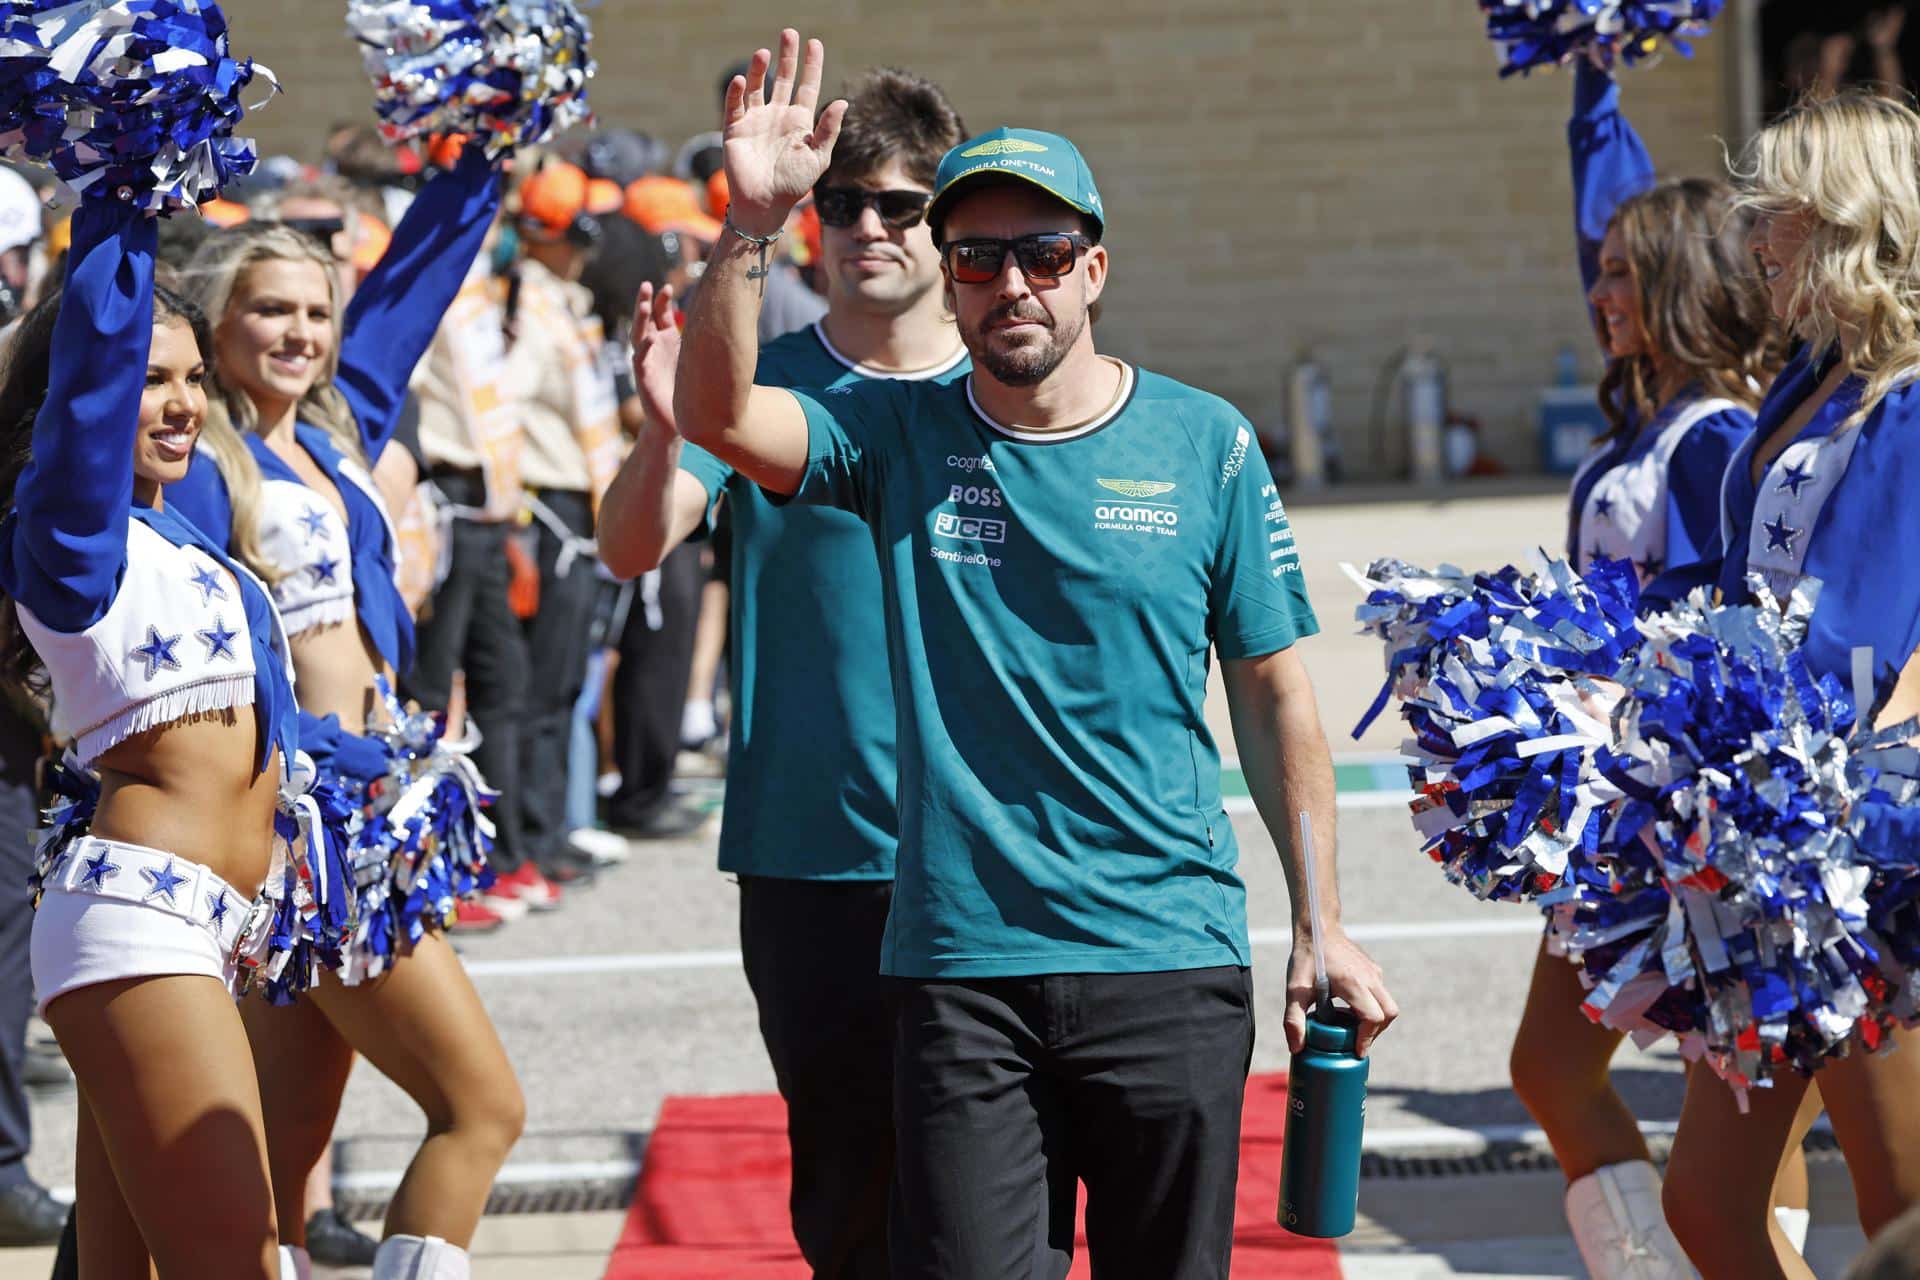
(1007, 1090)
(558, 644)
(471, 628)
(812, 952)
(650, 687)
(19, 819)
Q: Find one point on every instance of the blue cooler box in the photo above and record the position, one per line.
(1570, 421)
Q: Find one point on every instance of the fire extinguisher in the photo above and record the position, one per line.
(1312, 452)
(1423, 382)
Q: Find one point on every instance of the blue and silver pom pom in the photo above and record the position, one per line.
(1762, 909)
(1545, 33)
(1497, 675)
(510, 72)
(131, 100)
(418, 839)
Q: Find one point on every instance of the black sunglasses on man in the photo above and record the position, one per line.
(842, 206)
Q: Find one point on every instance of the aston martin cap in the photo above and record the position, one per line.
(1047, 160)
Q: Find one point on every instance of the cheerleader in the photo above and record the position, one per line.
(164, 664)
(300, 416)
(1689, 342)
(1823, 491)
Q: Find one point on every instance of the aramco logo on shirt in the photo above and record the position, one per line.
(1139, 515)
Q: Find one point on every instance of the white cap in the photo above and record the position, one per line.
(21, 213)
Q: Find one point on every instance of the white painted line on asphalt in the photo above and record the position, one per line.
(573, 966)
(381, 1180)
(656, 962)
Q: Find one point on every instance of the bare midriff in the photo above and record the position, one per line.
(333, 668)
(193, 788)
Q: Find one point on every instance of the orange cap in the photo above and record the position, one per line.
(604, 196)
(225, 213)
(60, 237)
(443, 149)
(370, 244)
(554, 197)
(659, 203)
(718, 197)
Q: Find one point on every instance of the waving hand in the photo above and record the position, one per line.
(775, 149)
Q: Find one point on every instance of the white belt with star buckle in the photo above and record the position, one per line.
(163, 881)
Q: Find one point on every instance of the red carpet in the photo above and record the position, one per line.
(712, 1199)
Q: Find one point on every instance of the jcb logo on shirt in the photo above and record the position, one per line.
(969, 528)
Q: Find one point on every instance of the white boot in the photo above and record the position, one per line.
(294, 1263)
(1621, 1230)
(1795, 1223)
(420, 1258)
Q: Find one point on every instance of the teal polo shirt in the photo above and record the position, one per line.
(810, 769)
(1051, 605)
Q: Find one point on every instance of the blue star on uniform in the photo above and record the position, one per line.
(323, 569)
(1650, 567)
(1796, 475)
(219, 640)
(1595, 553)
(209, 583)
(1780, 534)
(164, 881)
(315, 522)
(157, 652)
(1603, 508)
(217, 906)
(99, 868)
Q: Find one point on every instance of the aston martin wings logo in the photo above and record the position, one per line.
(1137, 488)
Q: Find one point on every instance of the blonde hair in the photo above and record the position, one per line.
(1852, 161)
(212, 277)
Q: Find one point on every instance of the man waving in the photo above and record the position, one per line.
(1064, 541)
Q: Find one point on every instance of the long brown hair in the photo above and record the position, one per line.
(1702, 303)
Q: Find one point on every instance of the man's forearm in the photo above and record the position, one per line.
(1289, 770)
(720, 345)
(636, 516)
(1306, 785)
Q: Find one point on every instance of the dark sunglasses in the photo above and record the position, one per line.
(1041, 257)
(842, 206)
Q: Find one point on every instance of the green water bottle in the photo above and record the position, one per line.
(1326, 1112)
(1326, 1101)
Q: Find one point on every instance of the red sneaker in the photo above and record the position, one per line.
(475, 917)
(530, 887)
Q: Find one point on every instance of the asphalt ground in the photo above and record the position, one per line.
(632, 991)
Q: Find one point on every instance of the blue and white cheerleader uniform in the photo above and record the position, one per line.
(401, 804)
(141, 621)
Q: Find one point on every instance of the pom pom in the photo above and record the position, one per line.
(1494, 675)
(418, 838)
(129, 100)
(1536, 33)
(511, 72)
(1763, 910)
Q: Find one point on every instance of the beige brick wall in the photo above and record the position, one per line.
(1347, 173)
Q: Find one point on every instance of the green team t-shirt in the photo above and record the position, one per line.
(810, 769)
(1050, 607)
